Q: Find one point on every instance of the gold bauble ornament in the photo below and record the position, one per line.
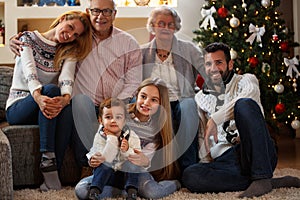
(265, 3)
(295, 124)
(279, 88)
(234, 22)
(233, 54)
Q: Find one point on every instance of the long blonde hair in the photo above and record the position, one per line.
(81, 46)
(165, 136)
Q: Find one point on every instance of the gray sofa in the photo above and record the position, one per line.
(19, 150)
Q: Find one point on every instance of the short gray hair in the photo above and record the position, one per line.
(113, 1)
(165, 10)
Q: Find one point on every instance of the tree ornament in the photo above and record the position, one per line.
(233, 54)
(284, 46)
(295, 84)
(234, 22)
(280, 108)
(275, 37)
(295, 124)
(244, 5)
(266, 68)
(256, 33)
(291, 64)
(208, 18)
(279, 88)
(265, 3)
(253, 62)
(222, 12)
(286, 30)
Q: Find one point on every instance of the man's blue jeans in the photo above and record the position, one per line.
(253, 159)
(86, 124)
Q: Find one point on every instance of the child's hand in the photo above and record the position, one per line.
(124, 145)
(107, 132)
(96, 160)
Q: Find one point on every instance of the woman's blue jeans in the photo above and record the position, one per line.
(27, 112)
(253, 159)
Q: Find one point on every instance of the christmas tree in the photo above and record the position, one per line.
(262, 45)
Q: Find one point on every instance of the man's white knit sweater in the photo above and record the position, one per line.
(240, 86)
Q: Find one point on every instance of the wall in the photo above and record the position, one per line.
(190, 13)
(188, 10)
(296, 17)
(2, 11)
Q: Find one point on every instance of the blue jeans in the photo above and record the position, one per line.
(71, 139)
(151, 189)
(103, 172)
(27, 111)
(185, 125)
(114, 187)
(147, 187)
(253, 159)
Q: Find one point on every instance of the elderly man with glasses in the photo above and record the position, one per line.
(112, 69)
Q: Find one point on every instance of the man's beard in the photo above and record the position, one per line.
(211, 86)
(219, 82)
(225, 75)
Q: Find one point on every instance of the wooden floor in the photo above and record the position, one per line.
(288, 151)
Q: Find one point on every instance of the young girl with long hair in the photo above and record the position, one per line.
(150, 119)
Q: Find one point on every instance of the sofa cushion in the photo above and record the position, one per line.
(6, 74)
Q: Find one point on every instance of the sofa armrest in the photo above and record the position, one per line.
(24, 143)
(25, 155)
(6, 178)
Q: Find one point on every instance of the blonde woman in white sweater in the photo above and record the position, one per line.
(42, 84)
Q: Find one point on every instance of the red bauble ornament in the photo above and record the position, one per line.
(222, 12)
(199, 81)
(280, 108)
(275, 37)
(253, 62)
(284, 46)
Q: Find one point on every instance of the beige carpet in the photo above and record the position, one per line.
(68, 192)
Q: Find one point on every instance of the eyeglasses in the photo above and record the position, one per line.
(105, 12)
(162, 24)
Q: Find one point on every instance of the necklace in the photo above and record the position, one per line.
(163, 55)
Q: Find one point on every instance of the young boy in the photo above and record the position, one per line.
(114, 142)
